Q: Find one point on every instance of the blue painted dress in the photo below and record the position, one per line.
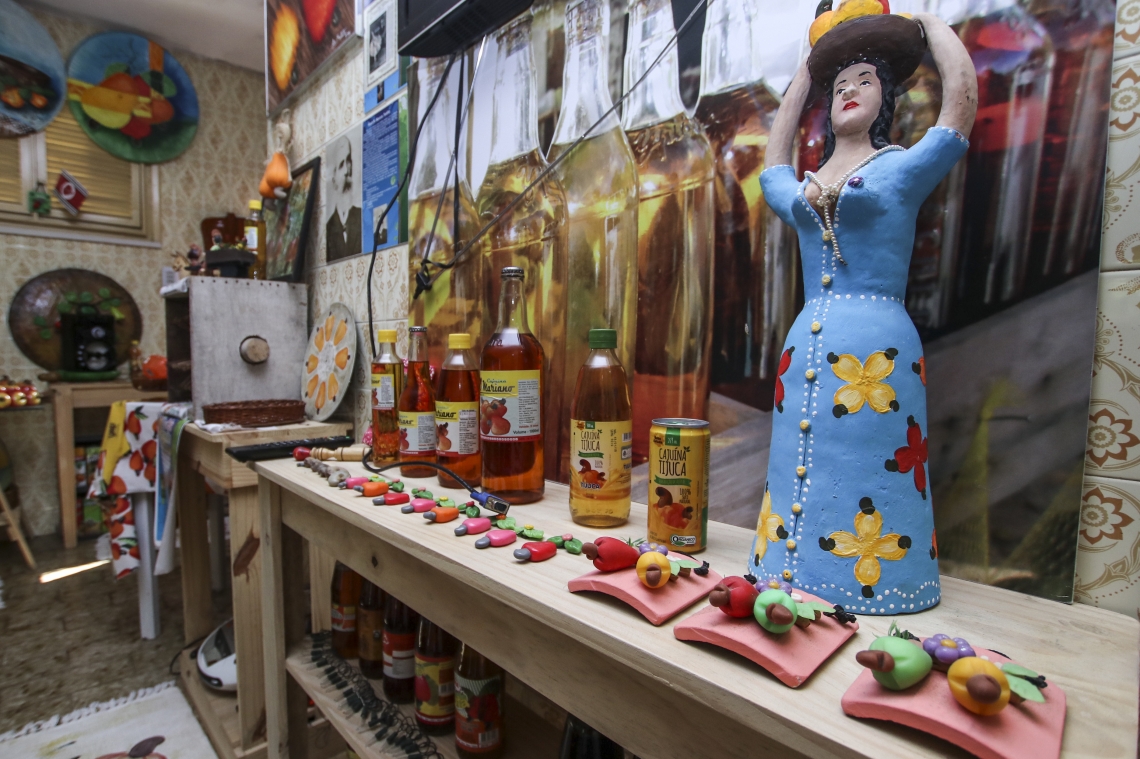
(847, 512)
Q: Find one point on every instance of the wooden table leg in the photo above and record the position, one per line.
(197, 608)
(216, 510)
(65, 463)
(15, 532)
(321, 567)
(283, 625)
(245, 558)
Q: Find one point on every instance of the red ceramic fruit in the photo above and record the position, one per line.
(610, 554)
(536, 551)
(735, 596)
(300, 453)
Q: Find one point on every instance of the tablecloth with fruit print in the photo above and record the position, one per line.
(127, 465)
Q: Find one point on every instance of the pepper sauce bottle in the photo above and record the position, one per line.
(510, 400)
(435, 679)
(479, 696)
(387, 386)
(417, 408)
(601, 437)
(370, 630)
(345, 597)
(457, 413)
(400, 625)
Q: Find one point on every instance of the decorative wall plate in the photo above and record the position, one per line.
(33, 82)
(131, 97)
(34, 314)
(329, 359)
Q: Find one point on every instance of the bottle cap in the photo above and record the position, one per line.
(459, 341)
(513, 272)
(255, 205)
(418, 330)
(603, 338)
(386, 335)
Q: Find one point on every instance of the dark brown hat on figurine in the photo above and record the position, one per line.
(895, 40)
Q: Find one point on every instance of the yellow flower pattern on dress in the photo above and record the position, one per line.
(868, 544)
(768, 528)
(864, 382)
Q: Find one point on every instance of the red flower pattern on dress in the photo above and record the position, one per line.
(912, 456)
(919, 368)
(785, 363)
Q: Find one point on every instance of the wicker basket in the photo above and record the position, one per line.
(255, 413)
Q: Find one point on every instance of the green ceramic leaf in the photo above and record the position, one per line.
(104, 292)
(573, 546)
(689, 564)
(64, 307)
(445, 501)
(472, 511)
(533, 533)
(1016, 669)
(87, 310)
(72, 297)
(39, 321)
(116, 302)
(46, 334)
(556, 540)
(506, 523)
(808, 611)
(817, 606)
(674, 567)
(1025, 689)
(396, 487)
(86, 297)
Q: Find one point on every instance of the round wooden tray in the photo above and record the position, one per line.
(255, 413)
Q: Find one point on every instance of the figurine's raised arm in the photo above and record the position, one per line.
(959, 79)
(783, 134)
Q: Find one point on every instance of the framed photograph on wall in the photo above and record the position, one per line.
(301, 36)
(287, 225)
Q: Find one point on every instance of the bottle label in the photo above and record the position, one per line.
(478, 713)
(417, 432)
(456, 428)
(510, 406)
(601, 458)
(343, 618)
(383, 391)
(399, 655)
(370, 624)
(251, 238)
(435, 688)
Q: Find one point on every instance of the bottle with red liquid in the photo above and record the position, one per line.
(1013, 56)
(1067, 219)
(400, 627)
(435, 679)
(370, 630)
(479, 697)
(387, 384)
(345, 597)
(754, 258)
(417, 409)
(457, 413)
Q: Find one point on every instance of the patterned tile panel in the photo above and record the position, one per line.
(1127, 41)
(1120, 248)
(1113, 443)
(1108, 547)
(217, 174)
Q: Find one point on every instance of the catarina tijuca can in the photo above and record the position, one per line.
(679, 484)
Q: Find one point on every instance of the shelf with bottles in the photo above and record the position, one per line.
(528, 734)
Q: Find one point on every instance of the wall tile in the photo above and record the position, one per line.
(1120, 247)
(1113, 444)
(1127, 41)
(1108, 546)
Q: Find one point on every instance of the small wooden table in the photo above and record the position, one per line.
(66, 397)
(658, 697)
(235, 733)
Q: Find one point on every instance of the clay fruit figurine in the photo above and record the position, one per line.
(946, 650)
(653, 569)
(896, 662)
(979, 685)
(610, 554)
(775, 611)
(735, 596)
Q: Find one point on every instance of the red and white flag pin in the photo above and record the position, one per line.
(70, 192)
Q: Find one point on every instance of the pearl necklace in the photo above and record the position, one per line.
(830, 192)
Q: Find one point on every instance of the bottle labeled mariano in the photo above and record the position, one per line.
(370, 630)
(435, 679)
(479, 695)
(400, 626)
(387, 382)
(510, 400)
(345, 597)
(457, 413)
(417, 408)
(601, 437)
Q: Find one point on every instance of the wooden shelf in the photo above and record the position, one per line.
(658, 696)
(528, 735)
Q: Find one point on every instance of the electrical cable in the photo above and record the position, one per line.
(424, 281)
(488, 501)
(396, 197)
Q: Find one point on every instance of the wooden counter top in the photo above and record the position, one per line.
(734, 707)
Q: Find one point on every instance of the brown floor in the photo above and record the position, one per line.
(76, 640)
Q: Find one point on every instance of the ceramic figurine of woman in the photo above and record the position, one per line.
(847, 513)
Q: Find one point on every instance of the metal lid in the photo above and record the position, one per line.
(417, 329)
(513, 272)
(692, 424)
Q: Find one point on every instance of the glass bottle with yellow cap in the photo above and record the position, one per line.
(387, 384)
(417, 409)
(457, 413)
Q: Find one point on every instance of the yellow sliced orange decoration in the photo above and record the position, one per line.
(339, 335)
(311, 364)
(319, 338)
(330, 320)
(334, 387)
(342, 358)
(312, 385)
(320, 402)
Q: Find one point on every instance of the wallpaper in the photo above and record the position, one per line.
(216, 175)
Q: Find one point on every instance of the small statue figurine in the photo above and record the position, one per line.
(195, 259)
(847, 512)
